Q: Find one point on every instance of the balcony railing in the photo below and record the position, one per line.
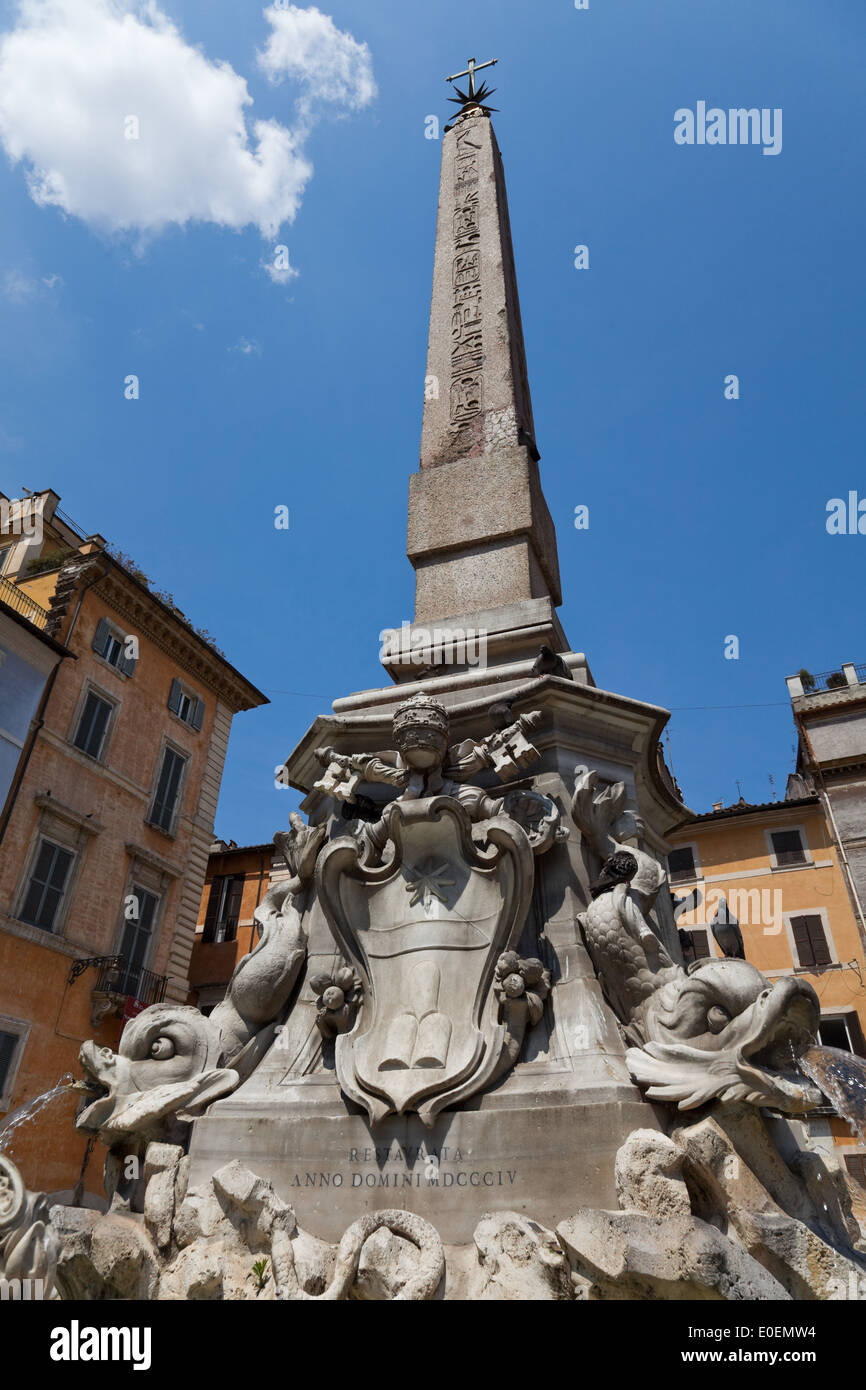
(832, 680)
(119, 977)
(22, 603)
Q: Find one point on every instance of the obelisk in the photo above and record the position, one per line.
(543, 1139)
(480, 535)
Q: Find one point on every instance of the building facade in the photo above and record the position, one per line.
(830, 717)
(107, 821)
(237, 879)
(776, 868)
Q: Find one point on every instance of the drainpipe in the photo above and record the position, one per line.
(852, 887)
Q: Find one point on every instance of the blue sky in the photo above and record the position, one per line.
(707, 516)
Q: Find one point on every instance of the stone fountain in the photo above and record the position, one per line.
(465, 1058)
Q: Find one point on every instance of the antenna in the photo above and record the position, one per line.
(772, 786)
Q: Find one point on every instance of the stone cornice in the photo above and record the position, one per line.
(155, 619)
(828, 701)
(628, 727)
(46, 802)
(13, 927)
(152, 859)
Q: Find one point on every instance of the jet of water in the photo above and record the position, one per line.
(26, 1112)
(842, 1077)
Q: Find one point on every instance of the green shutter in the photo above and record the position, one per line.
(100, 637)
(127, 665)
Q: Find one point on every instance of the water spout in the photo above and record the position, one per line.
(26, 1112)
(842, 1077)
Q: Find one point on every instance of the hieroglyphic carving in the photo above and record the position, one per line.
(467, 355)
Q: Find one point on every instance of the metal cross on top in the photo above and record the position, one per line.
(473, 95)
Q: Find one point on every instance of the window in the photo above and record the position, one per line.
(13, 1040)
(47, 884)
(165, 801)
(856, 1165)
(136, 939)
(787, 848)
(695, 944)
(810, 941)
(843, 1031)
(110, 643)
(90, 734)
(681, 864)
(223, 908)
(186, 705)
(8, 1045)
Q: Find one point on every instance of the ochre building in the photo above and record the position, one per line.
(108, 813)
(777, 869)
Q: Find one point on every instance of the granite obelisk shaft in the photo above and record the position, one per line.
(480, 535)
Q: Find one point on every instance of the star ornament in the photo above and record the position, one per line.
(427, 882)
(478, 99)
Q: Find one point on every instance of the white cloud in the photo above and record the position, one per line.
(248, 346)
(73, 74)
(19, 288)
(330, 64)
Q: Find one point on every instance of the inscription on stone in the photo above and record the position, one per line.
(403, 1166)
(467, 356)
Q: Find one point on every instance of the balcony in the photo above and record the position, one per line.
(118, 984)
(19, 602)
(844, 677)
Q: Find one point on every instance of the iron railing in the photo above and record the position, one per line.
(119, 977)
(22, 603)
(831, 680)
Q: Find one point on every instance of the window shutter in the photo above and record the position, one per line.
(695, 945)
(802, 941)
(820, 945)
(788, 847)
(681, 863)
(197, 716)
(855, 1033)
(233, 910)
(168, 787)
(212, 909)
(100, 637)
(127, 665)
(174, 696)
(856, 1165)
(8, 1044)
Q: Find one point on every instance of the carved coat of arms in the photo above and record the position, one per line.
(425, 931)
